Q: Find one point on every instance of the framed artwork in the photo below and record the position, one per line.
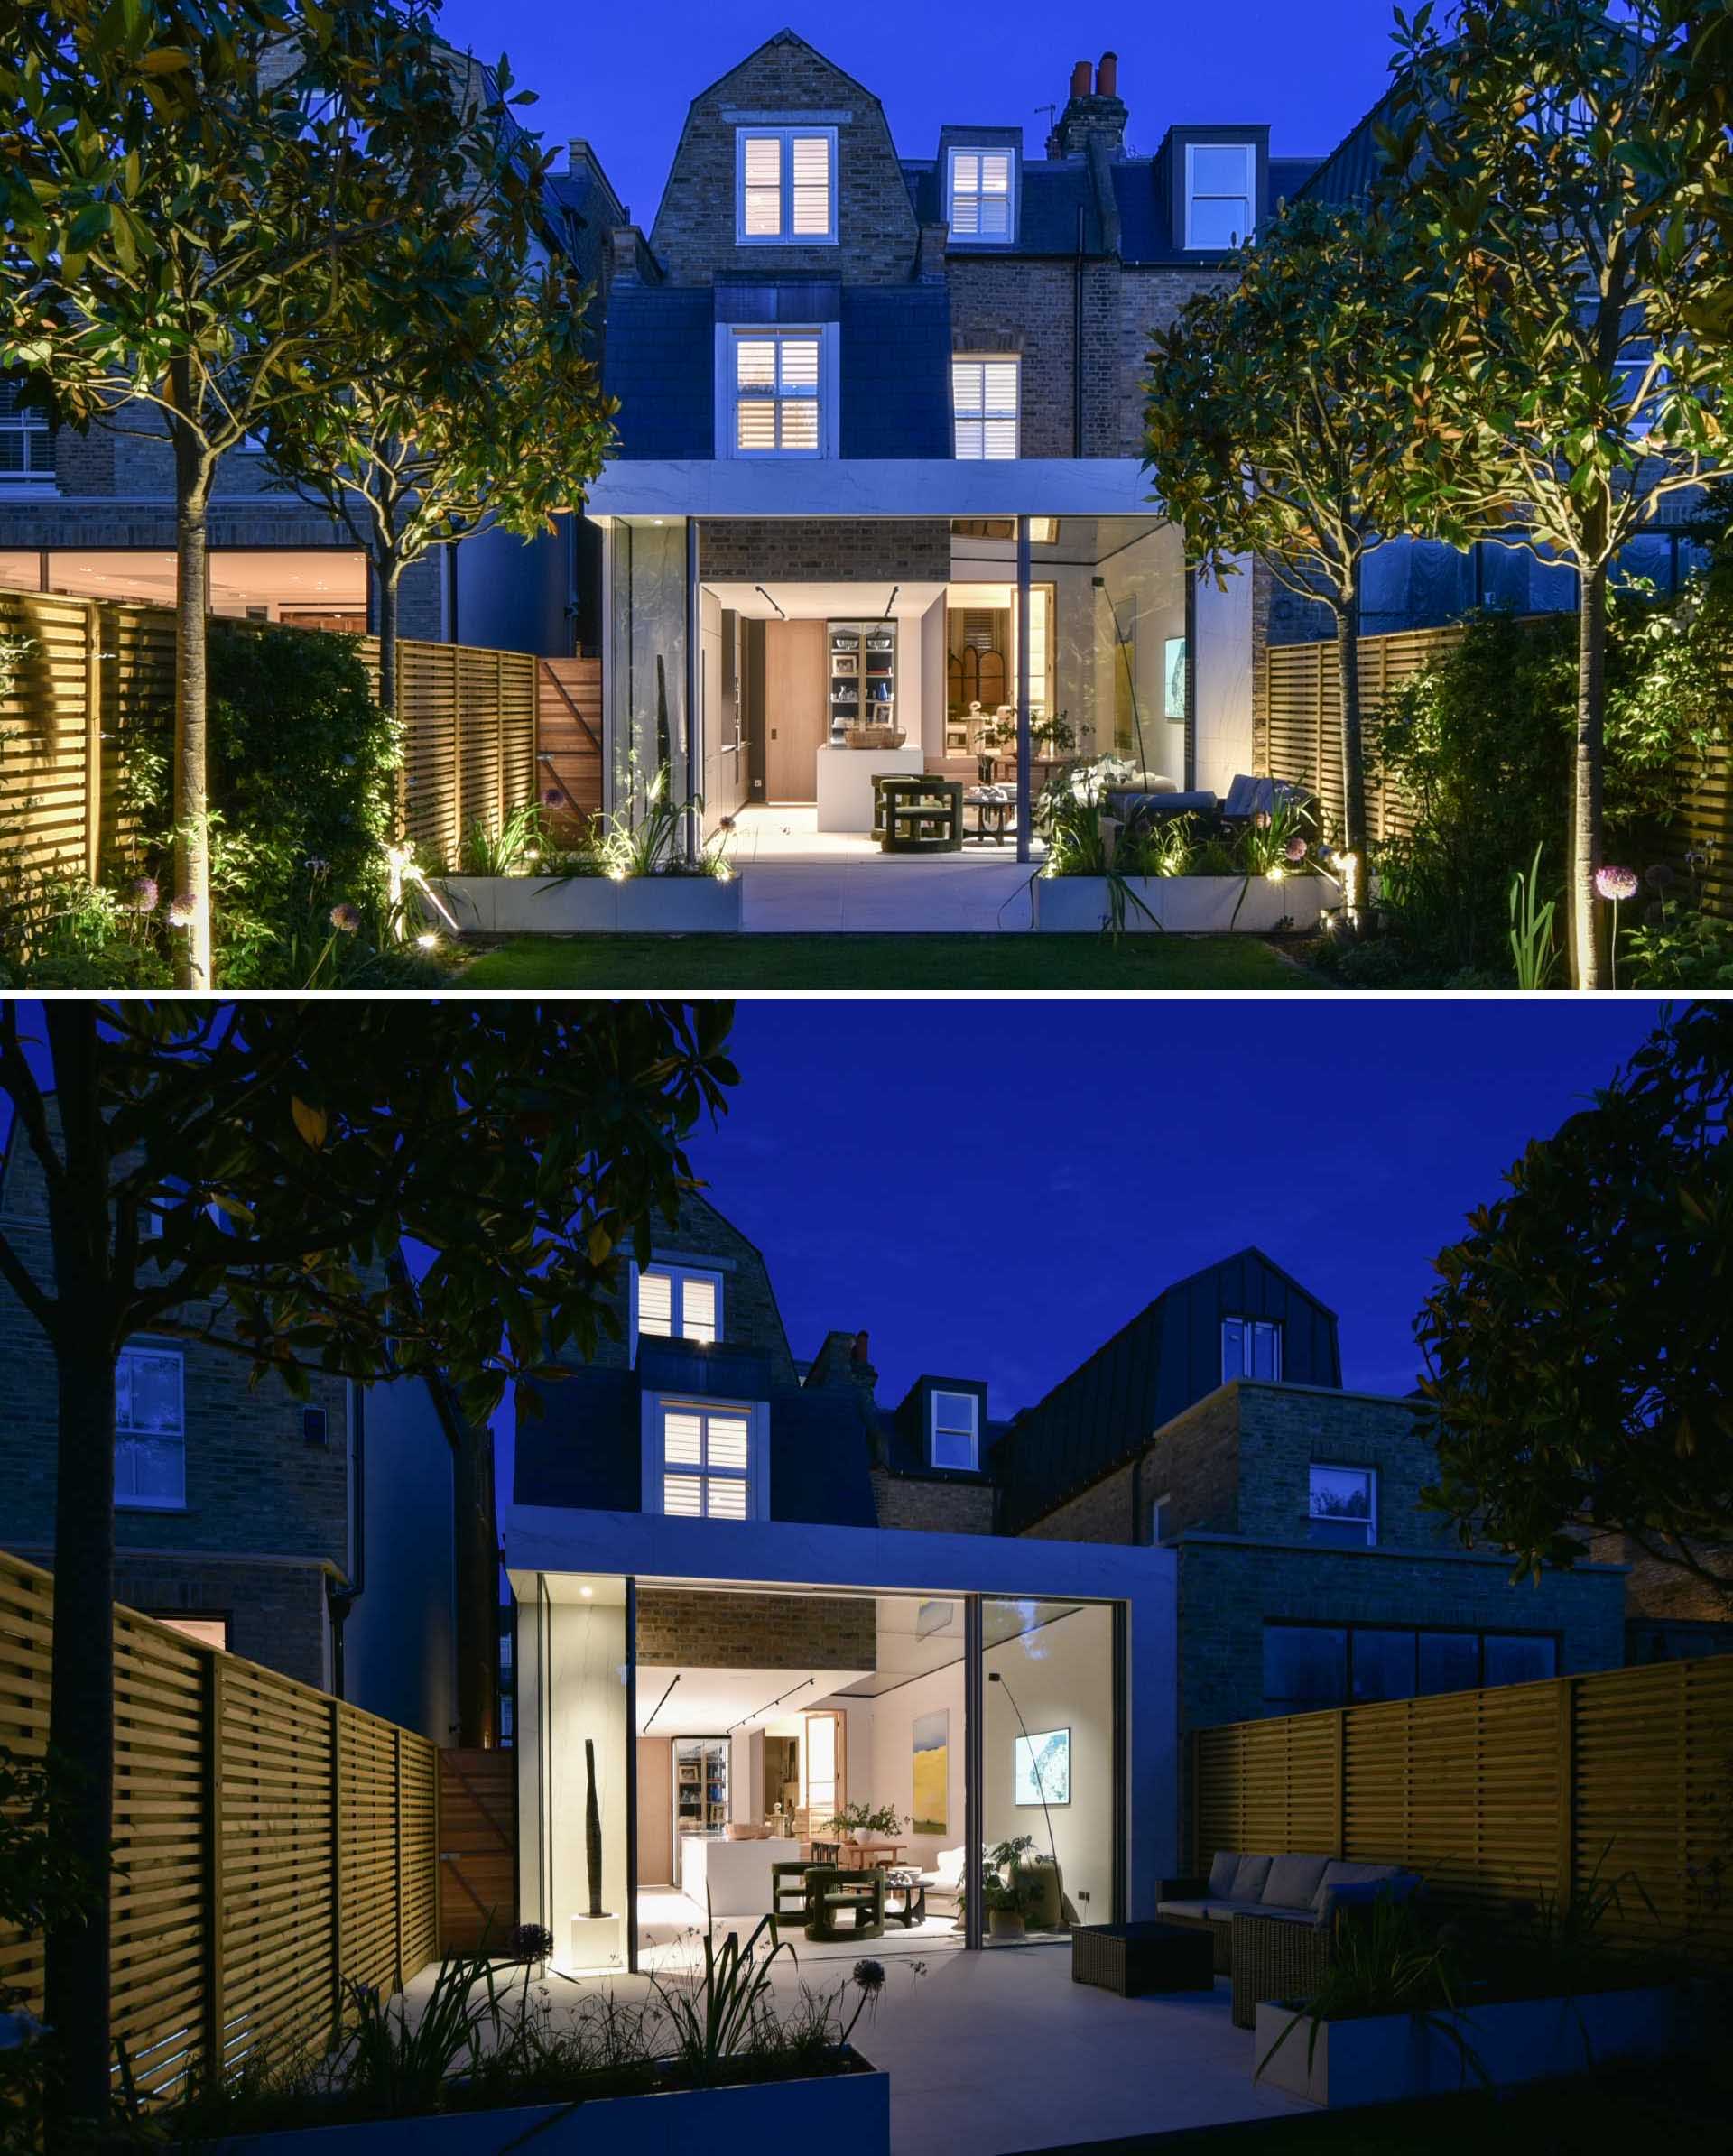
(1043, 1767)
(1173, 678)
(931, 1806)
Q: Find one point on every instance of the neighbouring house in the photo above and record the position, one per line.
(880, 448)
(750, 1594)
(324, 1538)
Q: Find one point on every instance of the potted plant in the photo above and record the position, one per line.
(1007, 1892)
(852, 1820)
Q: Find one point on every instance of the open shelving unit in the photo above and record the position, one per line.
(863, 672)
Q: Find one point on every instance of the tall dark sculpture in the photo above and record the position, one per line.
(592, 1830)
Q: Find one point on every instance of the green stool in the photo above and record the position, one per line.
(788, 1896)
(832, 1895)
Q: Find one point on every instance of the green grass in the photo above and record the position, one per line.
(1678, 2104)
(723, 964)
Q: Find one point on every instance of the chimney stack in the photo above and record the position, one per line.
(1095, 111)
(1081, 79)
(1106, 76)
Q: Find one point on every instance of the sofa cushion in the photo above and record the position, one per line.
(948, 1866)
(1293, 1881)
(1213, 1911)
(1337, 1874)
(1249, 1875)
(1222, 1867)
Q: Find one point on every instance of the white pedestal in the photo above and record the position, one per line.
(599, 1942)
(845, 785)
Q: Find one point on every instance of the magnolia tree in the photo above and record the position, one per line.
(200, 199)
(256, 1178)
(1280, 422)
(409, 462)
(1569, 174)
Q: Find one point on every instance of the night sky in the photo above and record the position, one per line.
(991, 1189)
(623, 77)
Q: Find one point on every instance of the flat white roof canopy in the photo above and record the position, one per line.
(868, 487)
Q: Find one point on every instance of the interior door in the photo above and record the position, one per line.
(793, 719)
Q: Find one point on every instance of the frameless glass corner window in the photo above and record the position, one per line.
(1343, 1507)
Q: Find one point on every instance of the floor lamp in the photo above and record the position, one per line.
(992, 1677)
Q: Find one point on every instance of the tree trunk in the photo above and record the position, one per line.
(191, 807)
(1347, 661)
(388, 574)
(1586, 793)
(81, 1673)
(476, 1546)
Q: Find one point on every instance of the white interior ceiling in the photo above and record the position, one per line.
(828, 602)
(710, 1702)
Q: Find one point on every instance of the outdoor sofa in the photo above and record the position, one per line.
(1270, 1919)
(1150, 798)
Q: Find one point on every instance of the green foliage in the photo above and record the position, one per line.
(515, 849)
(1576, 1343)
(867, 1818)
(41, 1883)
(1532, 948)
(1679, 948)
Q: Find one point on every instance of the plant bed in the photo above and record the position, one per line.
(847, 2112)
(665, 905)
(1383, 2058)
(1069, 905)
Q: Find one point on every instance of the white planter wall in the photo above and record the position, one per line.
(844, 2115)
(1185, 905)
(641, 905)
(1386, 2058)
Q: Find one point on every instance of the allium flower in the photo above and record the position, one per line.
(1695, 858)
(1296, 849)
(346, 917)
(870, 1976)
(182, 912)
(554, 796)
(1660, 877)
(1616, 882)
(141, 895)
(1261, 820)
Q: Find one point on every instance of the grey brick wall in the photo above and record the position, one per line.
(750, 1318)
(276, 1613)
(720, 1631)
(693, 236)
(895, 548)
(949, 1508)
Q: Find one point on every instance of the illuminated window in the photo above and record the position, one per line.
(1250, 1347)
(956, 1432)
(674, 1302)
(149, 1429)
(785, 190)
(209, 1632)
(979, 204)
(984, 396)
(777, 378)
(705, 1462)
(1343, 1507)
(1220, 193)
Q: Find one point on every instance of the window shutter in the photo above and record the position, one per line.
(655, 1304)
(698, 1309)
(761, 186)
(810, 159)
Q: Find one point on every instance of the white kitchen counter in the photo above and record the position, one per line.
(846, 782)
(735, 1875)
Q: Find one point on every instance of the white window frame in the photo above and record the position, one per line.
(1346, 1468)
(783, 237)
(988, 415)
(972, 1434)
(1240, 1319)
(755, 1415)
(1249, 150)
(30, 424)
(1155, 1521)
(126, 1501)
(677, 1275)
(729, 334)
(981, 195)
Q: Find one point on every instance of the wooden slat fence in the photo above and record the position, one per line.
(270, 1843)
(478, 1848)
(1299, 738)
(569, 735)
(1504, 1795)
(98, 680)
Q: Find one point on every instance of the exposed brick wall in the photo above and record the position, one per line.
(276, 1613)
(1024, 306)
(716, 1630)
(693, 236)
(1228, 1590)
(1656, 1589)
(932, 1507)
(766, 550)
(750, 1318)
(1284, 1429)
(1192, 1461)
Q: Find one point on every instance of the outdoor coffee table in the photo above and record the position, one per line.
(906, 1900)
(994, 809)
(1134, 1958)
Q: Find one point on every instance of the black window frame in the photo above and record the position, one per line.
(1348, 1627)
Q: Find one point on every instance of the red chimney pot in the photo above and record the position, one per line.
(859, 1352)
(1081, 79)
(1106, 76)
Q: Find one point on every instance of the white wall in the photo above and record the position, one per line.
(892, 1780)
(1223, 693)
(1061, 1674)
(588, 1654)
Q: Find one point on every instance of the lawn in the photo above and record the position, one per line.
(723, 964)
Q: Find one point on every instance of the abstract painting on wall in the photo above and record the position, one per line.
(932, 1772)
(1044, 1767)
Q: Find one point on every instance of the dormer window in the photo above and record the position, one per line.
(676, 1302)
(1250, 1347)
(980, 200)
(956, 1430)
(1220, 194)
(785, 187)
(775, 385)
(706, 1459)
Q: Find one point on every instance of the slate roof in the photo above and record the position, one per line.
(1152, 1369)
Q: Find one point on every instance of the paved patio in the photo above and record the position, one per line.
(797, 880)
(999, 2051)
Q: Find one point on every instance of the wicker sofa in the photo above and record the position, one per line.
(1271, 1917)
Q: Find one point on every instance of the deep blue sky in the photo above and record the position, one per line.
(623, 76)
(991, 1189)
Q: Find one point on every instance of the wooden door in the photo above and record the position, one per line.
(655, 1811)
(477, 1849)
(795, 685)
